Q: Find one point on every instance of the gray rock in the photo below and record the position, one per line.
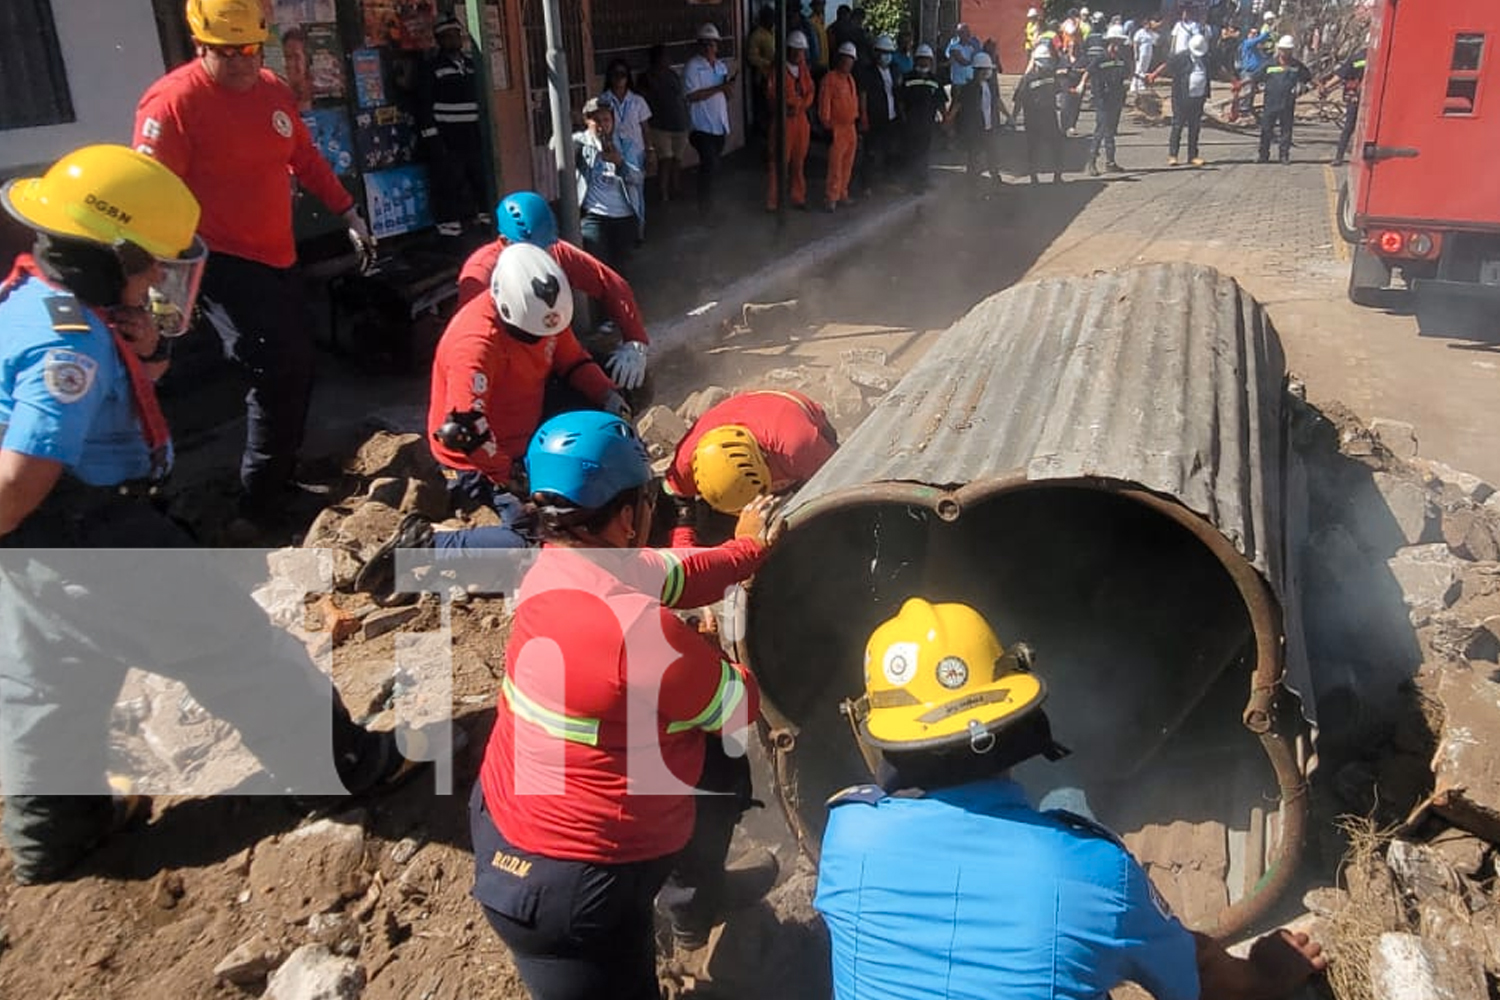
(1398, 436)
(801, 378)
(661, 429)
(1420, 871)
(250, 962)
(381, 622)
(700, 402)
(766, 317)
(1325, 901)
(1408, 504)
(1467, 483)
(315, 973)
(405, 849)
(1493, 504)
(338, 932)
(876, 378)
(425, 498)
(1458, 636)
(1428, 576)
(1466, 766)
(1471, 533)
(1463, 852)
(1406, 967)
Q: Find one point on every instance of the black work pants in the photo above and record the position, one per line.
(694, 894)
(877, 155)
(1273, 121)
(1106, 125)
(918, 155)
(74, 620)
(1044, 143)
(1346, 136)
(710, 148)
(261, 318)
(577, 930)
(1186, 114)
(455, 167)
(610, 239)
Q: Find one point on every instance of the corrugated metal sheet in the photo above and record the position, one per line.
(1169, 376)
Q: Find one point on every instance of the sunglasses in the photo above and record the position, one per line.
(236, 51)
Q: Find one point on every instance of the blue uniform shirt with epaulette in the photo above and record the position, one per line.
(65, 393)
(969, 893)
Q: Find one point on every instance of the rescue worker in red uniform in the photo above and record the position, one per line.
(230, 129)
(839, 110)
(800, 94)
(488, 379)
(750, 445)
(525, 217)
(608, 711)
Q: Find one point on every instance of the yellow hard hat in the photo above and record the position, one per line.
(937, 676)
(729, 468)
(108, 194)
(227, 22)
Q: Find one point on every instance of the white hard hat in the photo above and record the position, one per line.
(1083, 12)
(1198, 45)
(1286, 42)
(796, 40)
(708, 33)
(1033, 12)
(1116, 31)
(1043, 50)
(1097, 16)
(884, 44)
(848, 49)
(983, 61)
(531, 292)
(924, 51)
(1269, 16)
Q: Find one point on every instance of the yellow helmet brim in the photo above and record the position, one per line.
(925, 727)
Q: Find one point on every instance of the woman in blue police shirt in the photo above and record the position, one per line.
(85, 327)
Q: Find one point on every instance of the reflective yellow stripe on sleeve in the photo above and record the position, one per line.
(585, 731)
(676, 579)
(726, 699)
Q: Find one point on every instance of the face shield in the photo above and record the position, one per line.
(176, 293)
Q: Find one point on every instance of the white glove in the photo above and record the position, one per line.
(359, 236)
(615, 404)
(627, 366)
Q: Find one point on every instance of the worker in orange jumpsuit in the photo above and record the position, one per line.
(799, 91)
(839, 108)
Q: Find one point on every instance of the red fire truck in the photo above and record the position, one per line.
(1423, 190)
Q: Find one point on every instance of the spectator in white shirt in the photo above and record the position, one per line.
(708, 81)
(1186, 27)
(1145, 40)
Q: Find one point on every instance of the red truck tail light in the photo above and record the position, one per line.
(1391, 242)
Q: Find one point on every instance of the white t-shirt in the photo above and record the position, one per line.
(1145, 50)
(1198, 78)
(1181, 32)
(631, 112)
(712, 113)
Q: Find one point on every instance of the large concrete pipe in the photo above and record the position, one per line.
(1100, 465)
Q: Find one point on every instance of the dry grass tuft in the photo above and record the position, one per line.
(1355, 929)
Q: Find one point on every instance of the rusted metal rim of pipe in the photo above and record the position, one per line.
(1263, 715)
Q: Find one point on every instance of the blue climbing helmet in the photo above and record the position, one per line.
(525, 217)
(587, 458)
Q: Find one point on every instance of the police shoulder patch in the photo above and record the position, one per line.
(66, 314)
(866, 794)
(1085, 825)
(68, 375)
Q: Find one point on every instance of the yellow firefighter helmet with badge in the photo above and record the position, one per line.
(937, 677)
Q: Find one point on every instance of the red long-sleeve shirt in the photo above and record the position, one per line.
(236, 151)
(586, 273)
(479, 366)
(793, 433)
(602, 714)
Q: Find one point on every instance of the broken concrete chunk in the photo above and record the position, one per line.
(1470, 485)
(846, 404)
(661, 429)
(863, 355)
(1456, 636)
(315, 973)
(1428, 576)
(381, 622)
(1407, 502)
(876, 378)
(1325, 901)
(1466, 766)
(339, 932)
(1463, 852)
(1406, 967)
(701, 401)
(764, 317)
(250, 962)
(1398, 436)
(1471, 533)
(800, 378)
(1421, 871)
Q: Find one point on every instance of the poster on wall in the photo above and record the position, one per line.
(417, 19)
(325, 59)
(290, 12)
(397, 200)
(296, 65)
(333, 136)
(384, 137)
(381, 23)
(369, 78)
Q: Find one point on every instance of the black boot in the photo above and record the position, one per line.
(376, 575)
